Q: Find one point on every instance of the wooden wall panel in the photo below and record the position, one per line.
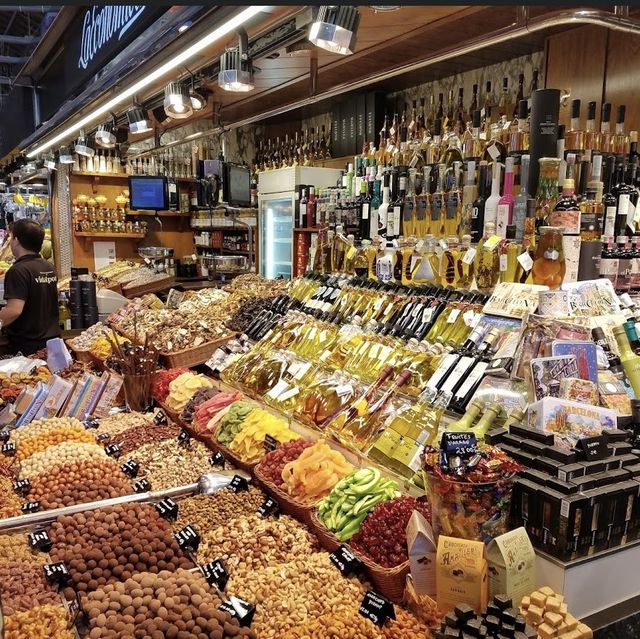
(576, 62)
(622, 80)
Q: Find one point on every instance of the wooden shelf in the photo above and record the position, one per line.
(96, 237)
(237, 252)
(158, 214)
(126, 175)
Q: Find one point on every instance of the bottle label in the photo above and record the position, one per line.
(493, 151)
(503, 262)
(396, 220)
(469, 256)
(474, 376)
(453, 316)
(502, 220)
(525, 261)
(458, 372)
(623, 205)
(491, 243)
(365, 211)
(610, 221)
(441, 371)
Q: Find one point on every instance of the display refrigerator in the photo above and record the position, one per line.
(278, 198)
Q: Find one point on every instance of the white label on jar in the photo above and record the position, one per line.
(525, 261)
(503, 262)
(469, 256)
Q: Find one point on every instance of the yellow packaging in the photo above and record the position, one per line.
(422, 554)
(461, 573)
(512, 567)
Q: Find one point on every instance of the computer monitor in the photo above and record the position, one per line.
(237, 185)
(148, 193)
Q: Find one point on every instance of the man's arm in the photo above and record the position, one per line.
(11, 312)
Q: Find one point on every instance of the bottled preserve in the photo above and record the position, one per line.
(549, 265)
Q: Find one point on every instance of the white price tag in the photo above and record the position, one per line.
(344, 389)
(292, 392)
(525, 261)
(302, 370)
(469, 256)
(278, 389)
(469, 317)
(443, 245)
(493, 151)
(453, 316)
(503, 263)
(419, 245)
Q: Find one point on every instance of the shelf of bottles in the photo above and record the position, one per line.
(310, 147)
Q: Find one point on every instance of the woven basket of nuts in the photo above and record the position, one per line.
(82, 356)
(195, 355)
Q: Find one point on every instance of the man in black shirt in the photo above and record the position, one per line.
(30, 288)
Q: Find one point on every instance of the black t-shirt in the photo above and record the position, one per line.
(33, 279)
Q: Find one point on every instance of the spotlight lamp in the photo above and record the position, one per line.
(50, 161)
(198, 99)
(236, 67)
(83, 147)
(106, 134)
(177, 104)
(335, 28)
(138, 120)
(65, 156)
(161, 116)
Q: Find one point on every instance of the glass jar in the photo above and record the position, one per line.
(548, 265)
(547, 193)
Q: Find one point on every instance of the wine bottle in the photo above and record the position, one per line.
(630, 361)
(467, 421)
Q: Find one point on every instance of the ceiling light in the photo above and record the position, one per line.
(161, 116)
(182, 28)
(50, 162)
(198, 99)
(236, 67)
(106, 134)
(161, 71)
(335, 28)
(82, 146)
(65, 155)
(176, 101)
(138, 119)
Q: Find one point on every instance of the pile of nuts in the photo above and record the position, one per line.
(51, 437)
(119, 422)
(79, 482)
(149, 434)
(251, 542)
(111, 544)
(210, 511)
(288, 595)
(85, 340)
(42, 426)
(168, 464)
(155, 606)
(42, 622)
(14, 547)
(65, 453)
(24, 587)
(9, 501)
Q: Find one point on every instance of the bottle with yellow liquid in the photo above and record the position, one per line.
(438, 205)
(361, 260)
(340, 245)
(453, 203)
(510, 251)
(421, 271)
(432, 254)
(464, 264)
(488, 267)
(449, 259)
(408, 251)
(350, 255)
(630, 361)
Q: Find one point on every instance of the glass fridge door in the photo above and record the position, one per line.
(276, 235)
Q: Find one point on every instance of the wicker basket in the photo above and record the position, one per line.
(288, 505)
(194, 356)
(238, 462)
(389, 582)
(82, 356)
(151, 287)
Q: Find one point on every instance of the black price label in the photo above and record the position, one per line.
(184, 438)
(167, 509)
(188, 538)
(217, 459)
(91, 422)
(22, 486)
(130, 468)
(239, 484)
(56, 573)
(376, 608)
(9, 449)
(30, 507)
(141, 486)
(242, 610)
(39, 540)
(270, 507)
(160, 418)
(113, 450)
(594, 448)
(4, 435)
(459, 444)
(103, 437)
(215, 573)
(345, 561)
(270, 443)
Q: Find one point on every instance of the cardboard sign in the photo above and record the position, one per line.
(422, 554)
(184, 438)
(9, 449)
(345, 561)
(270, 443)
(376, 608)
(141, 486)
(4, 435)
(217, 459)
(459, 444)
(113, 450)
(238, 484)
(57, 573)
(593, 448)
(103, 437)
(167, 509)
(30, 507)
(130, 468)
(91, 422)
(22, 487)
(269, 507)
(160, 418)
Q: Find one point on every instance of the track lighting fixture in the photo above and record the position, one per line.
(106, 134)
(65, 156)
(50, 161)
(83, 147)
(335, 28)
(138, 119)
(236, 67)
(176, 101)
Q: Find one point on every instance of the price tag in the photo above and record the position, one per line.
(215, 573)
(525, 261)
(270, 443)
(303, 369)
(4, 435)
(269, 507)
(345, 561)
(292, 392)
(593, 447)
(103, 437)
(39, 540)
(471, 318)
(503, 263)
(444, 245)
(239, 484)
(242, 610)
(130, 468)
(459, 444)
(113, 450)
(91, 422)
(184, 438)
(344, 389)
(141, 486)
(217, 459)
(160, 418)
(30, 507)
(21, 487)
(167, 509)
(453, 316)
(56, 573)
(493, 151)
(188, 538)
(469, 256)
(9, 449)
(278, 389)
(376, 608)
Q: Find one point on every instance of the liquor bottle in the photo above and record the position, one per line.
(504, 213)
(509, 252)
(515, 418)
(566, 212)
(494, 148)
(383, 209)
(311, 208)
(364, 205)
(549, 265)
(609, 264)
(609, 200)
(547, 192)
(623, 282)
(469, 194)
(632, 336)
(374, 208)
(629, 360)
(623, 190)
(520, 200)
(503, 104)
(472, 144)
(394, 221)
(465, 264)
(620, 139)
(434, 150)
(478, 206)
(519, 96)
(591, 136)
(453, 204)
(460, 116)
(519, 139)
(385, 263)
(488, 260)
(491, 205)
(606, 137)
(467, 421)
(438, 210)
(64, 314)
(574, 137)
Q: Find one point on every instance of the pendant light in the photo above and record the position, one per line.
(236, 67)
(335, 28)
(83, 147)
(106, 134)
(50, 162)
(176, 101)
(138, 120)
(65, 156)
(161, 116)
